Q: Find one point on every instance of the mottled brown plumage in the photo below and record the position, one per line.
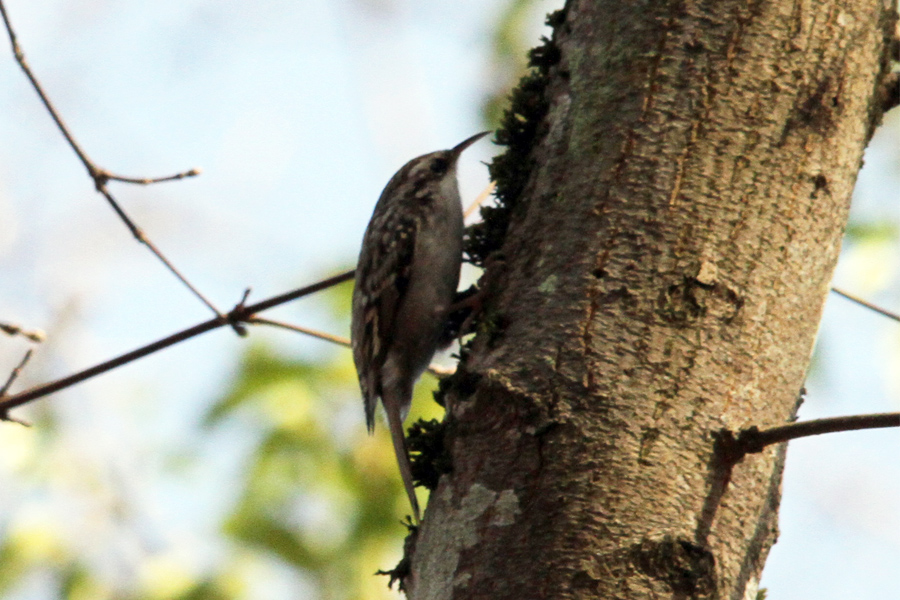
(406, 278)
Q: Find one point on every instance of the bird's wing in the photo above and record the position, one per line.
(382, 275)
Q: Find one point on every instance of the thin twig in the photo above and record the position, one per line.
(441, 372)
(15, 373)
(276, 300)
(240, 314)
(235, 324)
(20, 58)
(435, 369)
(35, 335)
(752, 440)
(480, 199)
(869, 305)
(755, 440)
(98, 175)
(151, 180)
(328, 337)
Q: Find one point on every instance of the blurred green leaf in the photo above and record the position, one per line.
(510, 45)
(872, 231)
(206, 590)
(319, 494)
(12, 566)
(259, 369)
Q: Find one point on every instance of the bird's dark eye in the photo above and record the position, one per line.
(439, 166)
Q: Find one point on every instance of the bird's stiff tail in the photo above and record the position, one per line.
(396, 427)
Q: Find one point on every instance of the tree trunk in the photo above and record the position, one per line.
(674, 197)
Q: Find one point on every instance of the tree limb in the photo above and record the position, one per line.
(752, 440)
(869, 305)
(101, 176)
(239, 314)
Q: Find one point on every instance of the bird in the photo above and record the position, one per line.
(406, 279)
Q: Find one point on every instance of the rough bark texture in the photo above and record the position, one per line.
(662, 278)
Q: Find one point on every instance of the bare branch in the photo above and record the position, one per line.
(234, 322)
(15, 373)
(869, 305)
(328, 337)
(755, 440)
(480, 199)
(436, 370)
(35, 335)
(151, 180)
(20, 58)
(752, 440)
(311, 289)
(441, 372)
(240, 314)
(100, 176)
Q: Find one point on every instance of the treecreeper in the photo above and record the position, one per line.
(406, 279)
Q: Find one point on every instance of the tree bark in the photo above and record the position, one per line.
(670, 240)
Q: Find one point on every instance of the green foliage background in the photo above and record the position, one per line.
(315, 500)
(317, 495)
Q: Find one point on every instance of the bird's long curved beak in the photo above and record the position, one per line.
(458, 149)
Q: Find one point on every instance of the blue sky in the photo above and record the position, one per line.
(298, 113)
